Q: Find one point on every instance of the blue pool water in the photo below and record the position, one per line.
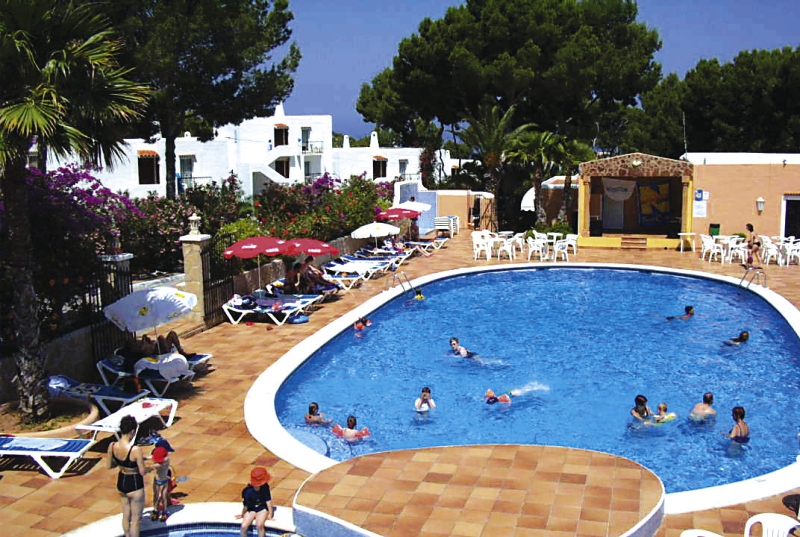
(202, 529)
(581, 343)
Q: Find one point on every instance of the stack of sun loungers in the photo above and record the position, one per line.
(279, 310)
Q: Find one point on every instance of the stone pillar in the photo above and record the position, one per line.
(584, 193)
(193, 269)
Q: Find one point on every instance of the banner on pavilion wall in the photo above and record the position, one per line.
(618, 189)
(654, 204)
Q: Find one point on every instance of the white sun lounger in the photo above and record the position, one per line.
(112, 373)
(364, 269)
(141, 410)
(71, 449)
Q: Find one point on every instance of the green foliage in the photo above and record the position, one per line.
(325, 210)
(218, 204)
(243, 228)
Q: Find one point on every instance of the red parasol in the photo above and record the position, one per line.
(310, 247)
(255, 246)
(397, 213)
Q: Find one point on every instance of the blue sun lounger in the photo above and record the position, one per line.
(59, 385)
(38, 448)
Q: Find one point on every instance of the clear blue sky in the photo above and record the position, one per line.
(345, 43)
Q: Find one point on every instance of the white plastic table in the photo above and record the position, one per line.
(686, 236)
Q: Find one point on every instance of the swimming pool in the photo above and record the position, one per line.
(583, 342)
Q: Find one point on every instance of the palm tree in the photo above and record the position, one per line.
(538, 150)
(490, 136)
(62, 90)
(572, 154)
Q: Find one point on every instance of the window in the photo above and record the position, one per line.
(306, 135)
(281, 134)
(33, 160)
(187, 166)
(378, 167)
(403, 166)
(282, 166)
(148, 167)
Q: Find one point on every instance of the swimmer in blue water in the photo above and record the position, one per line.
(741, 431)
(492, 398)
(418, 294)
(738, 340)
(641, 411)
(424, 402)
(688, 313)
(458, 349)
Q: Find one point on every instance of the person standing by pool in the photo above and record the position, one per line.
(257, 502)
(458, 350)
(703, 410)
(753, 245)
(688, 313)
(424, 402)
(741, 431)
(640, 410)
(126, 455)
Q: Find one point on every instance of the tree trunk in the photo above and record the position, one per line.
(541, 215)
(169, 157)
(29, 360)
(566, 198)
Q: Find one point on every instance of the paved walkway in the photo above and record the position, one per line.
(216, 452)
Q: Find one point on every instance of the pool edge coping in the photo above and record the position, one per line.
(262, 421)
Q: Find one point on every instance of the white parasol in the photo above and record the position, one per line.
(375, 230)
(146, 309)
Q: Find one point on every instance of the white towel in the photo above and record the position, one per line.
(169, 365)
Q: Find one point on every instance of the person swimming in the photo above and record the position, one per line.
(663, 416)
(350, 433)
(458, 349)
(314, 416)
(688, 313)
(418, 294)
(362, 323)
(738, 340)
(492, 398)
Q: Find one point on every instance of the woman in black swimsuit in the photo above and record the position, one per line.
(130, 482)
(754, 245)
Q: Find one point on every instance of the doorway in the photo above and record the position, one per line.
(791, 216)
(613, 213)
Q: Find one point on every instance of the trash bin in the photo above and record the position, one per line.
(713, 229)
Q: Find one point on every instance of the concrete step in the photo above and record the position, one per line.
(633, 243)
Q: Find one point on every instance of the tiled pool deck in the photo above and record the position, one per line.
(215, 450)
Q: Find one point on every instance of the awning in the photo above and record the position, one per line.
(281, 126)
(378, 157)
(528, 200)
(557, 182)
(147, 153)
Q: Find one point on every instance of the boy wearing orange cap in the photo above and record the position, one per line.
(257, 502)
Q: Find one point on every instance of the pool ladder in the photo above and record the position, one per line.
(752, 274)
(401, 279)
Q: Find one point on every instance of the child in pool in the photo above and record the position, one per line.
(663, 415)
(738, 340)
(362, 323)
(491, 398)
(424, 402)
(314, 417)
(350, 433)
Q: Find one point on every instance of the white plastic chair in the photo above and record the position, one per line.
(538, 247)
(572, 242)
(772, 524)
(770, 250)
(737, 248)
(561, 247)
(480, 246)
(509, 247)
(711, 248)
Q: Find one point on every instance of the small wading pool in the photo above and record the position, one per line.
(202, 529)
(580, 344)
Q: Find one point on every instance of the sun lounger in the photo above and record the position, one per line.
(346, 280)
(279, 312)
(141, 410)
(365, 269)
(98, 393)
(112, 373)
(38, 448)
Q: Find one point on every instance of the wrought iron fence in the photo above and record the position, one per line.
(217, 278)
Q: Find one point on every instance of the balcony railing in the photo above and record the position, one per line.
(312, 147)
(193, 181)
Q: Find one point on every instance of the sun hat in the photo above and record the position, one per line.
(259, 476)
(160, 454)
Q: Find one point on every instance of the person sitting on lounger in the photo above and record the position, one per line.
(292, 281)
(312, 276)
